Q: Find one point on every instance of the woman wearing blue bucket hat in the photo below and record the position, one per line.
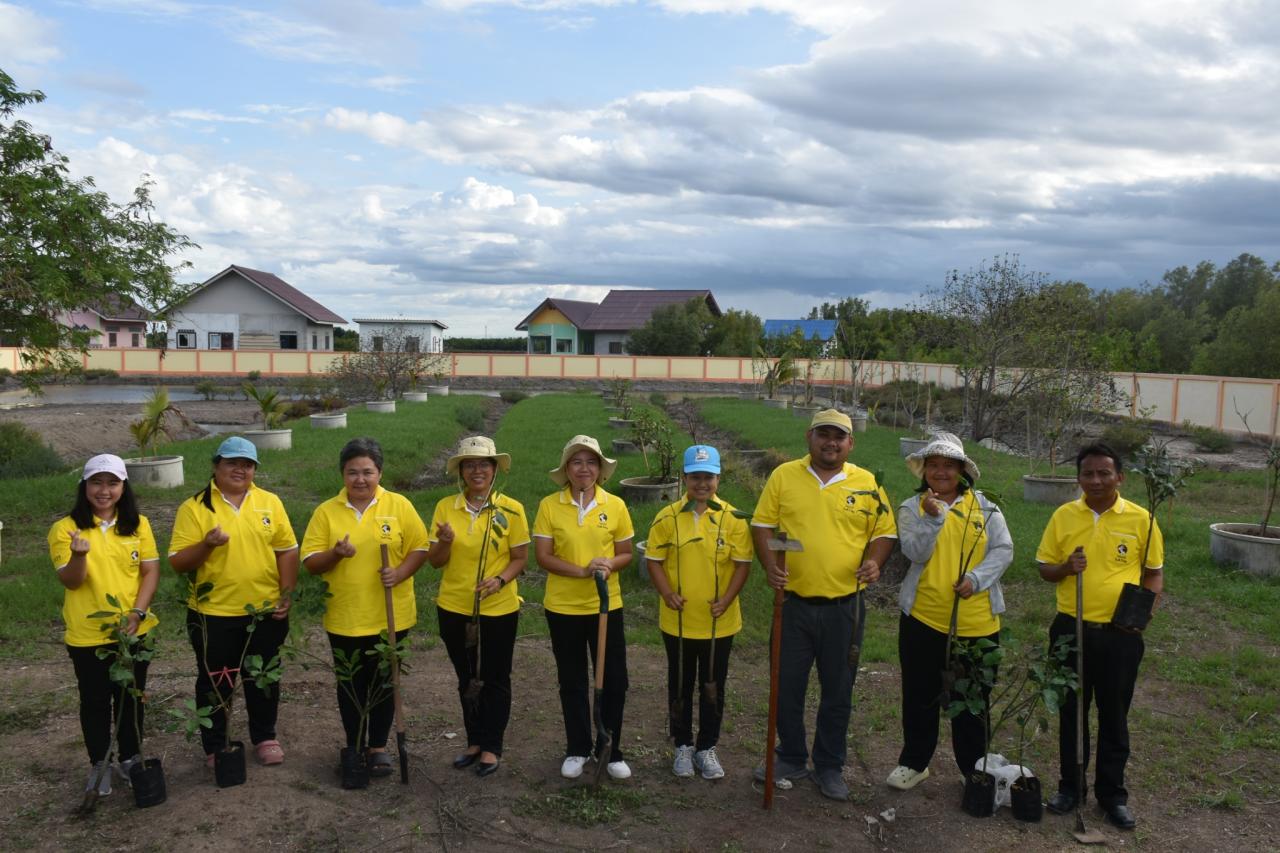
(236, 537)
(698, 554)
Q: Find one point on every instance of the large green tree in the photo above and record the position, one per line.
(66, 245)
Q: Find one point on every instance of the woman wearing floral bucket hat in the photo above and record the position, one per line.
(481, 541)
(698, 554)
(582, 532)
(237, 537)
(959, 546)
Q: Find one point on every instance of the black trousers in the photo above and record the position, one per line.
(573, 642)
(219, 644)
(368, 687)
(485, 720)
(1111, 661)
(102, 702)
(922, 652)
(698, 669)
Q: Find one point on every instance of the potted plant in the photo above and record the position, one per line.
(162, 471)
(146, 777)
(776, 374)
(652, 433)
(380, 402)
(329, 417)
(1253, 547)
(413, 394)
(624, 419)
(271, 409)
(229, 761)
(440, 387)
(919, 437)
(807, 408)
(1034, 678)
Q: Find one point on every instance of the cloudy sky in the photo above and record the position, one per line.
(462, 159)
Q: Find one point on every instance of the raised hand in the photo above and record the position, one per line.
(932, 506)
(79, 544)
(444, 532)
(216, 538)
(344, 548)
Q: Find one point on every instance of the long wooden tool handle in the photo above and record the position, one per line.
(391, 643)
(775, 661)
(602, 631)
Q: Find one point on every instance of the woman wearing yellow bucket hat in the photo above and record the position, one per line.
(481, 541)
(582, 532)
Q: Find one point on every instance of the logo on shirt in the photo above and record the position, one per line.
(1122, 552)
(386, 525)
(266, 521)
(133, 555)
(603, 518)
(719, 541)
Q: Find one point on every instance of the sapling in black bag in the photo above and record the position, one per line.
(1133, 610)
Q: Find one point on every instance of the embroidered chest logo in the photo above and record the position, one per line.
(386, 529)
(603, 518)
(133, 555)
(719, 541)
(1122, 552)
(266, 521)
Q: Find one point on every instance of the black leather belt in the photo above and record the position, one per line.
(820, 601)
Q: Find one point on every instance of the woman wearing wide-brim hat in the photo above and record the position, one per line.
(236, 536)
(582, 531)
(959, 546)
(481, 541)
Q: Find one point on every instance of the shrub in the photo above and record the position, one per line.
(1128, 437)
(297, 409)
(658, 399)
(1208, 439)
(471, 415)
(23, 453)
(512, 396)
(96, 373)
(206, 389)
(254, 375)
(5, 373)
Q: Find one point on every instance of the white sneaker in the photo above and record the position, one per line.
(100, 775)
(706, 761)
(572, 767)
(125, 768)
(683, 766)
(619, 770)
(904, 778)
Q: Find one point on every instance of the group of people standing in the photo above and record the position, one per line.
(822, 528)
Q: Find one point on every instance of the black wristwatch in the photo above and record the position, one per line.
(501, 581)
(142, 614)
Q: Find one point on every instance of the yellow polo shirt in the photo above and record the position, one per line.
(697, 567)
(579, 536)
(243, 571)
(960, 536)
(1113, 544)
(113, 567)
(357, 602)
(834, 522)
(459, 576)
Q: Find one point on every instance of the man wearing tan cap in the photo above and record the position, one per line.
(844, 522)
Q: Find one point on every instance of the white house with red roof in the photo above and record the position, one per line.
(247, 309)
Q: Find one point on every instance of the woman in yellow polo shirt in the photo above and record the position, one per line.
(581, 531)
(237, 537)
(481, 541)
(104, 548)
(343, 544)
(698, 554)
(959, 546)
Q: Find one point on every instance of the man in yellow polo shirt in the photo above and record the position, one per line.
(844, 522)
(1099, 540)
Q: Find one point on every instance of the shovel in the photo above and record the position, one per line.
(1082, 833)
(471, 695)
(395, 674)
(604, 740)
(711, 690)
(780, 544)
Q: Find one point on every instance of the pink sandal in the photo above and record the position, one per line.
(269, 752)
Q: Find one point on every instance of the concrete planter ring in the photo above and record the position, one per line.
(774, 404)
(645, 490)
(907, 446)
(859, 422)
(642, 567)
(438, 390)
(270, 439)
(414, 396)
(621, 423)
(384, 406)
(1240, 545)
(162, 472)
(807, 412)
(623, 446)
(1051, 491)
(329, 420)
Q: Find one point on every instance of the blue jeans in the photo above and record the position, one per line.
(817, 633)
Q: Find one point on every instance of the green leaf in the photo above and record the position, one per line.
(113, 601)
(500, 519)
(102, 614)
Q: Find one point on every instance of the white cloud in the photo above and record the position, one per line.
(193, 114)
(26, 39)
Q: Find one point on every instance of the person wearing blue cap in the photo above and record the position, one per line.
(236, 537)
(698, 555)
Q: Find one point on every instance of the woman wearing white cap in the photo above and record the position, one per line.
(581, 532)
(959, 546)
(481, 540)
(698, 554)
(104, 551)
(343, 544)
(237, 537)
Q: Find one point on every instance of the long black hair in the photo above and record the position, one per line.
(126, 510)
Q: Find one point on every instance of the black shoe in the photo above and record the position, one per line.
(1063, 802)
(486, 768)
(465, 760)
(1119, 815)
